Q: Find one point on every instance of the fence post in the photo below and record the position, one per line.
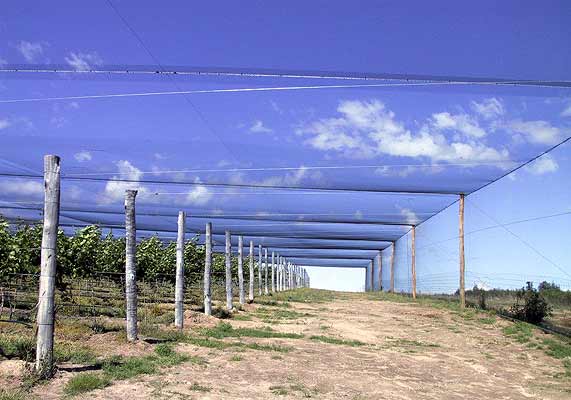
(260, 269)
(413, 261)
(266, 272)
(241, 270)
(130, 264)
(392, 287)
(380, 264)
(273, 271)
(46, 296)
(251, 282)
(179, 279)
(228, 271)
(207, 270)
(462, 259)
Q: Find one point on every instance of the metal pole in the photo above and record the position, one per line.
(46, 295)
(207, 270)
(179, 277)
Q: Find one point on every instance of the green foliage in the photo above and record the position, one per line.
(20, 347)
(16, 394)
(520, 331)
(224, 330)
(86, 382)
(530, 306)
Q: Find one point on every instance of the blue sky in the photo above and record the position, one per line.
(423, 138)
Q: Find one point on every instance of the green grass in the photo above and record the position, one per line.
(224, 330)
(273, 303)
(21, 347)
(305, 295)
(221, 345)
(273, 315)
(15, 394)
(74, 353)
(557, 348)
(86, 382)
(407, 343)
(333, 340)
(236, 358)
(199, 388)
(295, 387)
(520, 331)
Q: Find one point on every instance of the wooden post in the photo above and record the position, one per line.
(241, 270)
(207, 270)
(229, 305)
(413, 261)
(266, 272)
(179, 277)
(372, 288)
(130, 264)
(251, 282)
(380, 264)
(260, 270)
(273, 271)
(392, 287)
(462, 259)
(46, 295)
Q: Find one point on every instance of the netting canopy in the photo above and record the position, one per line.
(324, 162)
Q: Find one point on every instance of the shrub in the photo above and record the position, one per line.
(530, 306)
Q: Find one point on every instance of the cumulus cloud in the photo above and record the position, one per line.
(4, 123)
(83, 61)
(259, 127)
(358, 214)
(367, 129)
(83, 156)
(199, 195)
(543, 165)
(30, 50)
(489, 108)
(22, 187)
(410, 216)
(566, 112)
(537, 132)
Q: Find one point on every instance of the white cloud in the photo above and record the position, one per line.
(489, 108)
(566, 112)
(199, 195)
(462, 123)
(73, 105)
(4, 123)
(115, 190)
(367, 129)
(543, 165)
(30, 50)
(58, 121)
(410, 216)
(537, 132)
(82, 156)
(83, 61)
(358, 214)
(3, 62)
(259, 127)
(22, 187)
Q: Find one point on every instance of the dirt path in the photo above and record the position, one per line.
(408, 351)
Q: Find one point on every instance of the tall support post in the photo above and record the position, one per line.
(380, 270)
(279, 273)
(179, 278)
(46, 296)
(229, 305)
(266, 272)
(392, 287)
(413, 261)
(260, 270)
(130, 265)
(251, 281)
(372, 288)
(462, 259)
(273, 271)
(242, 295)
(208, 270)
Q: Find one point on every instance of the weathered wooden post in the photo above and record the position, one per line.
(229, 305)
(392, 287)
(380, 270)
(462, 260)
(273, 271)
(260, 270)
(208, 270)
(251, 282)
(179, 278)
(372, 285)
(241, 270)
(266, 272)
(413, 261)
(130, 264)
(46, 295)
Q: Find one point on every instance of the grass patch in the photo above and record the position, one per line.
(520, 331)
(20, 347)
(199, 388)
(273, 303)
(224, 330)
(557, 348)
(299, 388)
(411, 343)
(270, 315)
(333, 340)
(242, 317)
(86, 382)
(220, 345)
(236, 358)
(305, 295)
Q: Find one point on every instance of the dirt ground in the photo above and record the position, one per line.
(408, 351)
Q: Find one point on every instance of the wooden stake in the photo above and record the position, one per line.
(179, 277)
(273, 271)
(251, 281)
(462, 259)
(380, 264)
(392, 290)
(131, 265)
(260, 270)
(229, 305)
(207, 270)
(46, 295)
(241, 270)
(266, 272)
(413, 262)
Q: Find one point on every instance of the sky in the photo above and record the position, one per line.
(354, 146)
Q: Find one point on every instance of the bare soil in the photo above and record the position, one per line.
(409, 351)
